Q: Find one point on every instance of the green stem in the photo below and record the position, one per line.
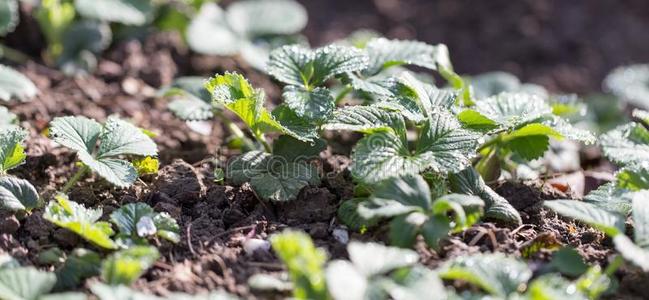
(262, 140)
(490, 143)
(614, 265)
(13, 54)
(75, 178)
(235, 130)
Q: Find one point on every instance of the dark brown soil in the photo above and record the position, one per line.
(565, 45)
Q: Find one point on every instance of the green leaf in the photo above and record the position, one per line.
(304, 263)
(80, 220)
(408, 190)
(82, 42)
(80, 265)
(553, 286)
(640, 204)
(235, 93)
(372, 259)
(348, 215)
(610, 223)
(128, 12)
(190, 100)
(495, 273)
(294, 150)
(14, 85)
(295, 126)
(469, 182)
(344, 281)
(633, 178)
(384, 53)
(296, 65)
(610, 198)
(466, 209)
(530, 141)
(25, 283)
(8, 120)
(365, 119)
(512, 110)
(315, 105)
(12, 153)
(131, 220)
(404, 229)
(126, 266)
(77, 133)
(476, 121)
(9, 16)
(632, 252)
(565, 129)
(269, 17)
(272, 177)
(630, 84)
(122, 138)
(416, 281)
(443, 147)
(414, 98)
(493, 83)
(209, 32)
(626, 144)
(435, 229)
(568, 261)
(17, 194)
(118, 138)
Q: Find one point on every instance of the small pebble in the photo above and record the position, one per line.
(341, 235)
(250, 246)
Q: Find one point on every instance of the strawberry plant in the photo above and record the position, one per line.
(249, 28)
(100, 147)
(137, 221)
(518, 127)
(408, 203)
(12, 153)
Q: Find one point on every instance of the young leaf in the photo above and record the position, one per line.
(236, 94)
(7, 119)
(126, 266)
(14, 85)
(12, 153)
(131, 217)
(296, 65)
(626, 144)
(304, 263)
(610, 223)
(25, 283)
(191, 101)
(469, 182)
(496, 273)
(128, 12)
(118, 138)
(269, 17)
(80, 220)
(530, 141)
(9, 16)
(17, 194)
(272, 177)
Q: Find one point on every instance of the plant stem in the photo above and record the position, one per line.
(490, 143)
(614, 265)
(262, 140)
(75, 178)
(235, 130)
(13, 54)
